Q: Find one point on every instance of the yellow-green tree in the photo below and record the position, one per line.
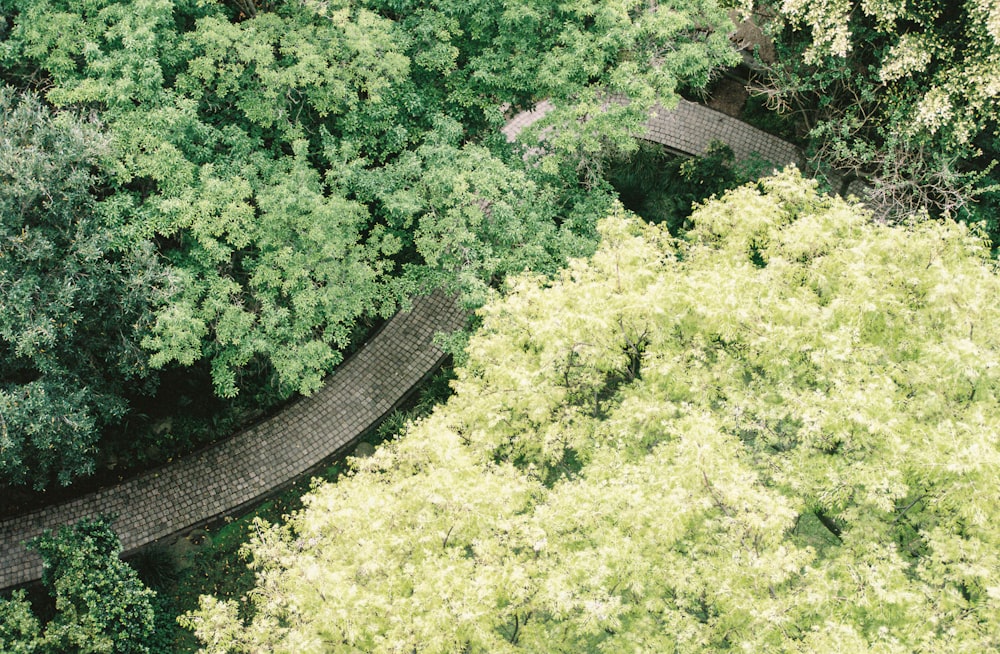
(776, 435)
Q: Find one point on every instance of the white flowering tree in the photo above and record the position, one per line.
(777, 435)
(904, 93)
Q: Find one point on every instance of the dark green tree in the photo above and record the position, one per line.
(101, 606)
(75, 291)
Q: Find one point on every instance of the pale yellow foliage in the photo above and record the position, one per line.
(642, 454)
(963, 91)
(911, 54)
(827, 19)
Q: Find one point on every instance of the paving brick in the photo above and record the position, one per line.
(690, 128)
(199, 488)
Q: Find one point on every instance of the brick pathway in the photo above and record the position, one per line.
(525, 118)
(231, 475)
(689, 129)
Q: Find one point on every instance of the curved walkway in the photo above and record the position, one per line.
(689, 129)
(220, 480)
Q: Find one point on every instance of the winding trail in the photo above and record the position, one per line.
(229, 476)
(226, 477)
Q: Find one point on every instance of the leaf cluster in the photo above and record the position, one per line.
(902, 96)
(101, 606)
(777, 434)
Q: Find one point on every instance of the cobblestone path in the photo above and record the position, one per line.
(231, 475)
(220, 480)
(689, 129)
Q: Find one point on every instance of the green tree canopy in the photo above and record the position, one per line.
(271, 175)
(778, 434)
(468, 213)
(101, 606)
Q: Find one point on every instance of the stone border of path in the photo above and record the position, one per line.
(215, 482)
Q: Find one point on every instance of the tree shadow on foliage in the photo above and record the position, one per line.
(664, 188)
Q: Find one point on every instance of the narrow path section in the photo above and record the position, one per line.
(216, 481)
(689, 129)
